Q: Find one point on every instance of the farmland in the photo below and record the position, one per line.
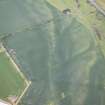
(11, 82)
(101, 3)
(61, 54)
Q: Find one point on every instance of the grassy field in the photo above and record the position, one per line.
(58, 4)
(101, 3)
(82, 13)
(11, 83)
(61, 57)
(102, 0)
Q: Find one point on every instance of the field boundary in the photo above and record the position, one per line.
(28, 83)
(20, 97)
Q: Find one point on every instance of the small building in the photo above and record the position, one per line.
(67, 11)
(2, 102)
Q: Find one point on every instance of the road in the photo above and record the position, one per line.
(93, 2)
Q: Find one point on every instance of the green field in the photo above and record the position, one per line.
(101, 3)
(11, 83)
(82, 13)
(62, 56)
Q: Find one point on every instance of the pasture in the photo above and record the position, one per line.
(11, 83)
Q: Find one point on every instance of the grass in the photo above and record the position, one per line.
(58, 57)
(82, 14)
(58, 4)
(11, 83)
(101, 3)
(86, 14)
(50, 68)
